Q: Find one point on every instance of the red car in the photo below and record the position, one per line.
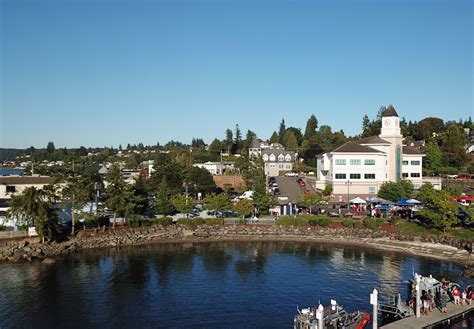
(302, 183)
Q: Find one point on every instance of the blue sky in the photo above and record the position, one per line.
(98, 73)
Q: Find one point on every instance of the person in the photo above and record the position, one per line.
(333, 304)
(469, 293)
(425, 304)
(444, 302)
(464, 298)
(457, 295)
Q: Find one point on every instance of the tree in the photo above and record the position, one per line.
(141, 196)
(244, 207)
(217, 202)
(425, 128)
(453, 143)
(50, 148)
(200, 180)
(183, 203)
(311, 200)
(36, 207)
(77, 190)
(407, 187)
(425, 193)
(327, 190)
(237, 135)
(274, 138)
(163, 205)
(391, 191)
(120, 198)
(290, 141)
(229, 136)
(311, 126)
(440, 209)
(433, 157)
(281, 132)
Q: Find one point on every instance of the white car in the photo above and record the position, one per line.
(291, 174)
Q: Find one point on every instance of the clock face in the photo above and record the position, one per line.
(387, 122)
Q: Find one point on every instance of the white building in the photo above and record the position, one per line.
(359, 168)
(216, 168)
(274, 156)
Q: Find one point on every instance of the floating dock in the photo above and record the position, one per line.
(435, 317)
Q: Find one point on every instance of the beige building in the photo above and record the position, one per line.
(359, 168)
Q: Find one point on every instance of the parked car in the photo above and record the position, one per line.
(276, 191)
(291, 174)
(302, 183)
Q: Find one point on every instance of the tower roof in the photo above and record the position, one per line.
(390, 112)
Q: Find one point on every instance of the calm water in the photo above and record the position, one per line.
(208, 285)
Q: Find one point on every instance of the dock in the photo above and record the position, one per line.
(432, 318)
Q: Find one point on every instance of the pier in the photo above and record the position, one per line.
(434, 317)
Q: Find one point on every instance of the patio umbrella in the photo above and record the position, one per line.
(414, 201)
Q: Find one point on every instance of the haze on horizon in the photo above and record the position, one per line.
(104, 72)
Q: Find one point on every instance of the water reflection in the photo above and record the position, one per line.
(212, 285)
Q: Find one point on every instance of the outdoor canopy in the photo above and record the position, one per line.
(358, 201)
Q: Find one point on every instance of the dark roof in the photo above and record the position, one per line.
(353, 147)
(372, 140)
(411, 150)
(27, 180)
(277, 152)
(256, 143)
(390, 112)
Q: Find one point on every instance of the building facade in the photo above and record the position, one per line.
(359, 168)
(275, 158)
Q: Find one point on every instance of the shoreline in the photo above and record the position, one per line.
(27, 250)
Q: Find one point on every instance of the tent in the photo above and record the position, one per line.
(414, 201)
(358, 201)
(404, 203)
(379, 200)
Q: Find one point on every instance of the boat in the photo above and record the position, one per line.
(334, 317)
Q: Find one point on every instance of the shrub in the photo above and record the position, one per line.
(191, 223)
(291, 221)
(395, 220)
(373, 223)
(324, 221)
(348, 222)
(318, 220)
(214, 221)
(165, 221)
(5, 228)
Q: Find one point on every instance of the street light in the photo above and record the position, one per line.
(348, 183)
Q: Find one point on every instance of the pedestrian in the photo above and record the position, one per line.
(457, 295)
(464, 298)
(469, 293)
(444, 302)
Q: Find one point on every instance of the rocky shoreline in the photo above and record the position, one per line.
(434, 247)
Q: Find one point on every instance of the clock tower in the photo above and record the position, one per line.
(391, 133)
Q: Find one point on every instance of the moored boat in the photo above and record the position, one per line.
(333, 317)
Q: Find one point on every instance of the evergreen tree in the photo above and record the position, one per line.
(120, 198)
(163, 205)
(433, 157)
(290, 141)
(228, 136)
(281, 132)
(237, 135)
(453, 144)
(183, 203)
(50, 148)
(274, 138)
(311, 126)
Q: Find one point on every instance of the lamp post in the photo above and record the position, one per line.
(348, 183)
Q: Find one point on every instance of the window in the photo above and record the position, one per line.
(369, 162)
(369, 176)
(415, 163)
(354, 176)
(355, 162)
(405, 175)
(405, 163)
(340, 176)
(287, 158)
(265, 157)
(280, 166)
(11, 189)
(272, 157)
(341, 162)
(372, 189)
(281, 157)
(415, 174)
(288, 166)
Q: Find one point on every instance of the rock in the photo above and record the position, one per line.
(49, 261)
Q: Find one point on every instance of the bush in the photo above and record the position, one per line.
(165, 221)
(318, 220)
(395, 220)
(5, 228)
(373, 223)
(191, 223)
(214, 221)
(348, 222)
(291, 221)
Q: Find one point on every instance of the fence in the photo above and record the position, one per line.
(13, 234)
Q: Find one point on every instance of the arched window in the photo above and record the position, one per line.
(265, 157)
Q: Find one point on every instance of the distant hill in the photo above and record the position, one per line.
(9, 154)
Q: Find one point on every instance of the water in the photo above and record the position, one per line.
(208, 285)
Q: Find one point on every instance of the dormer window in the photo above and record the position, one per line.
(288, 158)
(281, 157)
(265, 157)
(272, 157)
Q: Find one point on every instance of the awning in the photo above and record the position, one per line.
(358, 201)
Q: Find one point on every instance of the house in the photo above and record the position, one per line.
(13, 185)
(216, 168)
(360, 167)
(274, 156)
